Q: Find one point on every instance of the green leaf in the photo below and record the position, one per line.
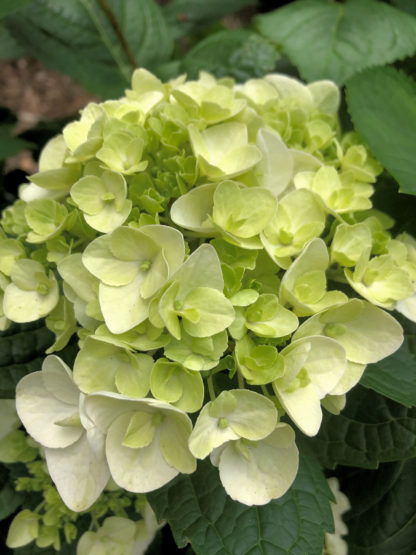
(401, 207)
(9, 6)
(78, 39)
(199, 511)
(9, 48)
(184, 16)
(406, 5)
(382, 103)
(238, 53)
(384, 506)
(10, 500)
(33, 549)
(10, 145)
(370, 430)
(22, 348)
(333, 40)
(395, 376)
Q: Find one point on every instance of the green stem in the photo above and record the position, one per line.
(39, 507)
(211, 390)
(94, 524)
(265, 392)
(240, 379)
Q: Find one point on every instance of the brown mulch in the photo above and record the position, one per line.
(35, 93)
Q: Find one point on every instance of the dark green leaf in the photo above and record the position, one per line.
(184, 16)
(400, 206)
(22, 349)
(9, 6)
(32, 549)
(9, 48)
(78, 38)
(10, 145)
(199, 511)
(10, 500)
(383, 516)
(406, 5)
(237, 53)
(370, 430)
(395, 376)
(382, 103)
(332, 40)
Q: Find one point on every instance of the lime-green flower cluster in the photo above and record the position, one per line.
(51, 523)
(189, 229)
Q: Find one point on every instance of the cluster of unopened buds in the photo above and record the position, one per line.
(215, 248)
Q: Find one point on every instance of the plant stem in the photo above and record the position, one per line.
(94, 524)
(240, 379)
(211, 390)
(118, 31)
(265, 392)
(39, 507)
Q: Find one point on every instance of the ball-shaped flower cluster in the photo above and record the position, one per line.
(193, 235)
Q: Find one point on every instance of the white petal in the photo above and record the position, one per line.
(104, 408)
(304, 408)
(408, 307)
(352, 376)
(136, 470)
(266, 474)
(39, 410)
(122, 307)
(28, 306)
(79, 475)
(275, 169)
(325, 364)
(57, 378)
(207, 435)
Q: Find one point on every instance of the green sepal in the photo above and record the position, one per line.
(46, 218)
(259, 364)
(23, 529)
(171, 382)
(103, 200)
(197, 353)
(223, 150)
(266, 317)
(10, 251)
(234, 414)
(61, 321)
(242, 212)
(304, 283)
(31, 294)
(101, 366)
(349, 242)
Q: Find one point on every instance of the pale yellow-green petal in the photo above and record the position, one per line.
(122, 307)
(265, 473)
(79, 474)
(303, 407)
(39, 411)
(26, 306)
(136, 470)
(275, 169)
